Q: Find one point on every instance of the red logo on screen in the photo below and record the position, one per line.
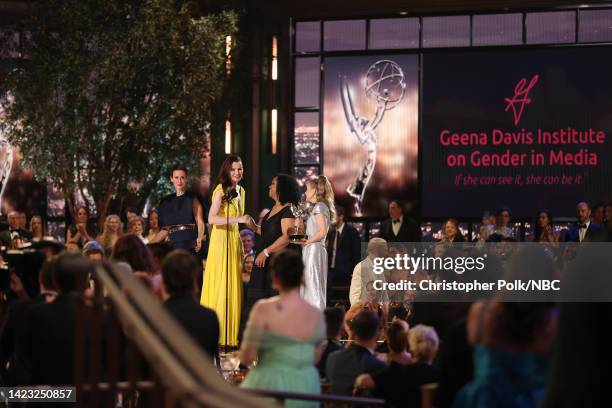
(520, 98)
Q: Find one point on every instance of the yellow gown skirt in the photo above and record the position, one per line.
(219, 273)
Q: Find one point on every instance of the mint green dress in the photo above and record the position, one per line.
(285, 363)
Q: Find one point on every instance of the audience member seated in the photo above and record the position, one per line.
(488, 220)
(286, 333)
(451, 232)
(248, 241)
(111, 232)
(82, 230)
(397, 343)
(598, 213)
(363, 272)
(179, 270)
(334, 319)
(94, 251)
(582, 355)
(247, 267)
(130, 212)
(13, 369)
(512, 341)
(584, 230)
(344, 249)
(136, 227)
(543, 230)
(400, 383)
(501, 227)
(37, 228)
(50, 327)
(398, 228)
(344, 366)
(153, 225)
(131, 250)
(158, 252)
(14, 236)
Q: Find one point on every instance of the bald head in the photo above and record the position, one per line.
(583, 212)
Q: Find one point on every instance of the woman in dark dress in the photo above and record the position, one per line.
(82, 230)
(273, 237)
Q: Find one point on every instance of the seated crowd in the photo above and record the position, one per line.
(387, 345)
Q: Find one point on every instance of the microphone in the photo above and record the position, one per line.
(230, 194)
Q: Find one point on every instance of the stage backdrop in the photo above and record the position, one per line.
(371, 157)
(523, 129)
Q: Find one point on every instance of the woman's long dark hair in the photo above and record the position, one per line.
(131, 250)
(537, 230)
(224, 173)
(288, 189)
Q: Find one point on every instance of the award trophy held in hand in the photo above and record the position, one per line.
(297, 233)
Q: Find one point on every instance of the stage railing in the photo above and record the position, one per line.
(130, 352)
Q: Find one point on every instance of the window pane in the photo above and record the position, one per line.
(394, 33)
(307, 74)
(446, 31)
(307, 36)
(551, 27)
(304, 173)
(306, 138)
(56, 204)
(344, 35)
(57, 230)
(595, 26)
(497, 29)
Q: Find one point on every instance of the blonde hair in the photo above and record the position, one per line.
(423, 342)
(324, 194)
(106, 239)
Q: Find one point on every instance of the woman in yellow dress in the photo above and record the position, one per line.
(222, 287)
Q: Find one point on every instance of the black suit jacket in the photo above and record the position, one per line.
(50, 332)
(330, 347)
(410, 231)
(573, 233)
(344, 366)
(12, 340)
(348, 249)
(200, 322)
(400, 385)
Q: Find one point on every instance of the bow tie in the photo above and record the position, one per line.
(582, 226)
(396, 221)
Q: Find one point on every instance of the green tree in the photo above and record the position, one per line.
(110, 92)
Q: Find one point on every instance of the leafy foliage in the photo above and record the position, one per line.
(110, 92)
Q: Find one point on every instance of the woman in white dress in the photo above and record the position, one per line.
(320, 195)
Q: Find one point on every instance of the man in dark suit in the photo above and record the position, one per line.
(344, 251)
(344, 366)
(334, 319)
(13, 334)
(179, 277)
(585, 230)
(14, 232)
(51, 327)
(399, 228)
